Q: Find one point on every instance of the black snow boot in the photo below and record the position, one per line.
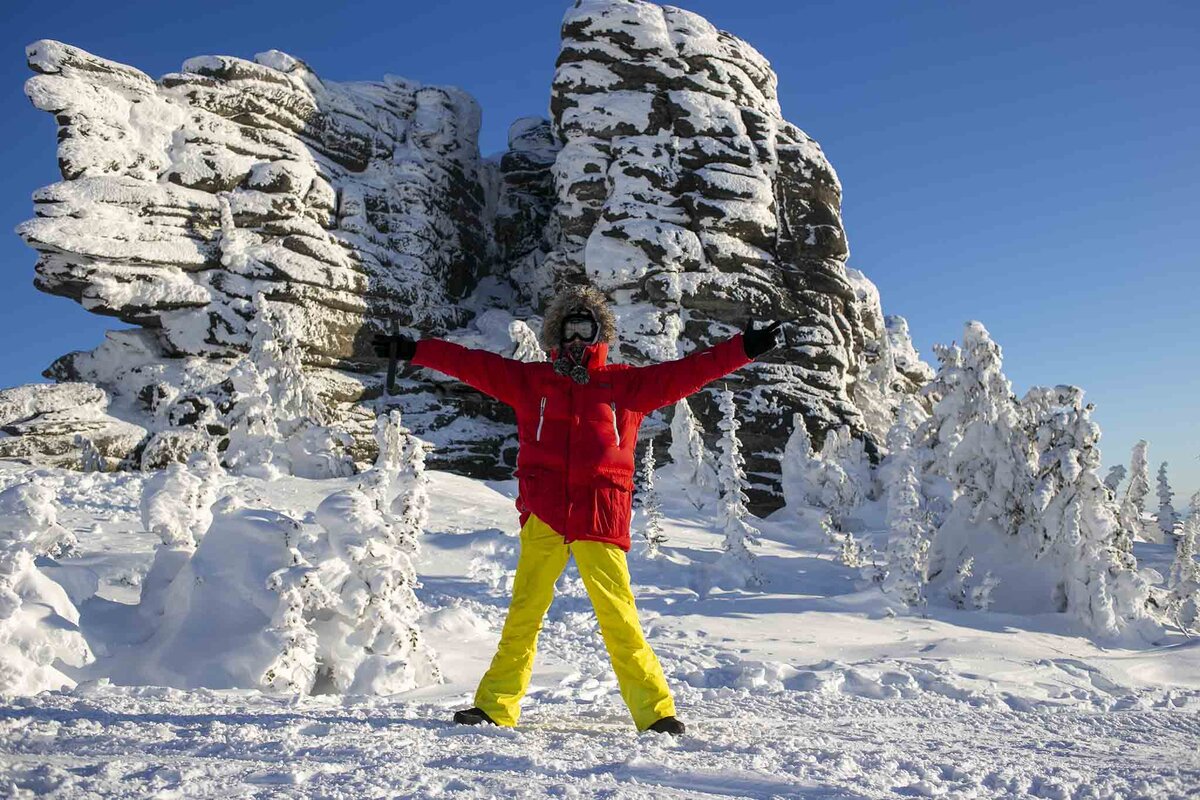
(472, 716)
(668, 725)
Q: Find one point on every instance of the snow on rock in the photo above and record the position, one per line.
(682, 191)
(183, 198)
(42, 423)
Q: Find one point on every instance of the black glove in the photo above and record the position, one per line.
(393, 345)
(758, 341)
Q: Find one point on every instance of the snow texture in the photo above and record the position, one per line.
(802, 690)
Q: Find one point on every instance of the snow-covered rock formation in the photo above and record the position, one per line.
(667, 176)
(182, 198)
(43, 420)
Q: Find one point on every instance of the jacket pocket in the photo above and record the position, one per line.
(541, 418)
(612, 506)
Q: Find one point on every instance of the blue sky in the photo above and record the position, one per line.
(1032, 165)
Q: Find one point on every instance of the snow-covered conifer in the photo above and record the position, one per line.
(176, 505)
(254, 436)
(277, 421)
(1074, 518)
(942, 431)
(176, 502)
(649, 507)
(981, 593)
(1184, 577)
(737, 561)
(276, 351)
(1113, 479)
(38, 623)
(846, 479)
(800, 467)
(692, 464)
(1184, 568)
(525, 342)
(957, 589)
(1167, 518)
(908, 522)
(372, 642)
(90, 459)
(1133, 507)
(986, 458)
(302, 597)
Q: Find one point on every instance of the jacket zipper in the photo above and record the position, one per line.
(541, 419)
(616, 430)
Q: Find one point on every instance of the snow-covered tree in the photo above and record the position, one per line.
(277, 352)
(649, 508)
(38, 623)
(1113, 479)
(942, 431)
(691, 463)
(737, 563)
(372, 642)
(216, 624)
(1074, 519)
(176, 505)
(277, 420)
(1167, 518)
(525, 342)
(1184, 577)
(981, 592)
(1184, 568)
(302, 595)
(254, 436)
(845, 480)
(1133, 507)
(90, 459)
(974, 455)
(957, 589)
(907, 519)
(176, 502)
(981, 446)
(800, 468)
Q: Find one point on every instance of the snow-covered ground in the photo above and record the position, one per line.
(808, 688)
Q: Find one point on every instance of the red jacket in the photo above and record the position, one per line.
(576, 441)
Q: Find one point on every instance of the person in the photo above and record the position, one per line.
(577, 425)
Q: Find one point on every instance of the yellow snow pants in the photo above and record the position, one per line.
(605, 574)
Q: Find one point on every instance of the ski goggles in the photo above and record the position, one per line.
(579, 326)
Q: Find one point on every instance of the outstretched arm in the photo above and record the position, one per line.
(658, 385)
(491, 374)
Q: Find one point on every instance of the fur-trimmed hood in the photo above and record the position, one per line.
(569, 299)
